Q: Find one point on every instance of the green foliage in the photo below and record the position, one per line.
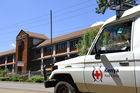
(3, 75)
(4, 72)
(4, 78)
(36, 79)
(17, 77)
(104, 4)
(87, 39)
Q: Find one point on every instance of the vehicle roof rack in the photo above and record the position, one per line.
(121, 5)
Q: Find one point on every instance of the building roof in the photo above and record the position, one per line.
(36, 35)
(8, 52)
(67, 36)
(55, 40)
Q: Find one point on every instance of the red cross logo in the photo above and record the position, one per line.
(97, 75)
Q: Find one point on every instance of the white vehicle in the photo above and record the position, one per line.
(112, 64)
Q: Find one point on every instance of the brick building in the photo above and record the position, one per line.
(33, 49)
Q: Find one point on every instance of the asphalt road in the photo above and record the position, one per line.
(12, 87)
(8, 90)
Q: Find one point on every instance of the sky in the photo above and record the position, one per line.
(34, 16)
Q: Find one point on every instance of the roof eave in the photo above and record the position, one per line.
(7, 54)
(58, 41)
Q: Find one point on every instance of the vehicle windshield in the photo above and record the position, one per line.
(115, 38)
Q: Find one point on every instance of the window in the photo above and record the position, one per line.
(48, 49)
(37, 52)
(21, 49)
(10, 58)
(3, 59)
(62, 46)
(74, 42)
(115, 38)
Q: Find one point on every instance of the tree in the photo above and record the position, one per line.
(104, 4)
(87, 39)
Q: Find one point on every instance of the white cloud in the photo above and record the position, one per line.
(13, 45)
(97, 23)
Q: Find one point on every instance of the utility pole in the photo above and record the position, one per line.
(51, 37)
(44, 65)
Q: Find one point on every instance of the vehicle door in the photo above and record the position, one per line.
(109, 67)
(136, 49)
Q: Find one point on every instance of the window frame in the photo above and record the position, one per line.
(37, 52)
(61, 46)
(48, 49)
(2, 59)
(94, 50)
(10, 58)
(74, 43)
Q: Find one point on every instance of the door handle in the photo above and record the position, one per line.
(124, 63)
(68, 66)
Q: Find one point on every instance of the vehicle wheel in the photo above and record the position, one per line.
(64, 87)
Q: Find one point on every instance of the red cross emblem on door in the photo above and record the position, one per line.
(97, 75)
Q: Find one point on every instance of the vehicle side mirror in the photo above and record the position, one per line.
(97, 56)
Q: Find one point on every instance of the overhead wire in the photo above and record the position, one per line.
(40, 18)
(56, 17)
(59, 20)
(47, 15)
(72, 6)
(70, 29)
(75, 10)
(63, 30)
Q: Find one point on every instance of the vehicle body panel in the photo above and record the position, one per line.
(136, 49)
(74, 67)
(115, 76)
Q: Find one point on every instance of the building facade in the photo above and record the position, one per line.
(32, 50)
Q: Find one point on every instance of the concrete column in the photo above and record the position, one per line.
(68, 49)
(54, 50)
(54, 59)
(42, 54)
(13, 69)
(41, 64)
(5, 62)
(68, 55)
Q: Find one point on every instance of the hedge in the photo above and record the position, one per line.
(36, 79)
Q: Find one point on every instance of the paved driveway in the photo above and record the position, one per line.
(11, 87)
(11, 90)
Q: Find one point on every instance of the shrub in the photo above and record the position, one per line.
(37, 79)
(17, 77)
(4, 72)
(4, 78)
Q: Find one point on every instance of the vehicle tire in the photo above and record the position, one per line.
(64, 87)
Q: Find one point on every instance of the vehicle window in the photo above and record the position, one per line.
(115, 38)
